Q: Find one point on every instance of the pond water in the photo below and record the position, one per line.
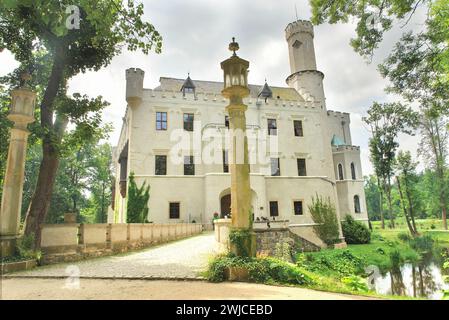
(422, 280)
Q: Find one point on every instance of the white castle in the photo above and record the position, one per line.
(309, 151)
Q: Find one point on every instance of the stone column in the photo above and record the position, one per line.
(22, 113)
(239, 167)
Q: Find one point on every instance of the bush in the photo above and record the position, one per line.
(355, 283)
(261, 270)
(355, 232)
(323, 214)
(422, 244)
(137, 204)
(404, 236)
(342, 262)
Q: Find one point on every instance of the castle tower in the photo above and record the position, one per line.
(305, 77)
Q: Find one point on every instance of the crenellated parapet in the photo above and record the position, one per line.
(206, 97)
(134, 85)
(297, 27)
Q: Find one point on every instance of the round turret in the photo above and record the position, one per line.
(134, 85)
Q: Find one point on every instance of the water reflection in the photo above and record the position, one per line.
(422, 280)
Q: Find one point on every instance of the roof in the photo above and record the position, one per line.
(188, 84)
(337, 141)
(215, 87)
(266, 91)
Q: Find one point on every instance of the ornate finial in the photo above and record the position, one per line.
(24, 78)
(234, 46)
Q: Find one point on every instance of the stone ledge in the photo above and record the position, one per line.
(17, 266)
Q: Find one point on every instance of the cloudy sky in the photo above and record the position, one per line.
(196, 34)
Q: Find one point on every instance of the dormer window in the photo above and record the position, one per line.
(188, 86)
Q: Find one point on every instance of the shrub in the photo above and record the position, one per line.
(422, 244)
(404, 236)
(355, 232)
(324, 215)
(137, 204)
(261, 270)
(355, 283)
(396, 259)
(342, 262)
(432, 226)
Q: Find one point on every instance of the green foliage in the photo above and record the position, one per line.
(283, 251)
(396, 259)
(25, 250)
(356, 283)
(339, 262)
(261, 270)
(404, 236)
(355, 232)
(37, 35)
(372, 197)
(422, 244)
(241, 239)
(137, 204)
(324, 215)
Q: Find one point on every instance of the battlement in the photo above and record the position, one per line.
(207, 97)
(340, 114)
(345, 148)
(297, 27)
(134, 84)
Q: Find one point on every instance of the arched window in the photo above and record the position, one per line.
(340, 172)
(353, 171)
(357, 204)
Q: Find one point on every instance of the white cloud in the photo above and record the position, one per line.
(196, 34)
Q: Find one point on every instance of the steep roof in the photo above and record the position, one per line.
(337, 141)
(215, 87)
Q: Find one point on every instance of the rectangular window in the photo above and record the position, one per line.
(302, 171)
(188, 121)
(275, 168)
(274, 212)
(161, 120)
(297, 124)
(161, 165)
(225, 161)
(174, 210)
(189, 166)
(272, 127)
(297, 206)
(227, 122)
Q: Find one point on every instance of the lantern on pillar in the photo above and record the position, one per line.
(235, 72)
(235, 89)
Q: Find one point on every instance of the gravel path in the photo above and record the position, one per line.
(183, 259)
(122, 289)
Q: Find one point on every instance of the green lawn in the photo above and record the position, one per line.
(331, 262)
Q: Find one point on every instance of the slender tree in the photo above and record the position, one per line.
(406, 172)
(387, 121)
(434, 148)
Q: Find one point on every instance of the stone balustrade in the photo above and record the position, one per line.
(73, 241)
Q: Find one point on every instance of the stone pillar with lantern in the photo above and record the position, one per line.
(21, 114)
(235, 89)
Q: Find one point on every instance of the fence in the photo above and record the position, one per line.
(72, 241)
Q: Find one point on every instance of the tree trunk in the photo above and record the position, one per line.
(444, 217)
(390, 206)
(381, 198)
(407, 218)
(40, 201)
(411, 208)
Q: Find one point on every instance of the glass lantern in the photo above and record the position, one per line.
(235, 76)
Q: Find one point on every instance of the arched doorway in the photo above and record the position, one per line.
(225, 205)
(225, 202)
